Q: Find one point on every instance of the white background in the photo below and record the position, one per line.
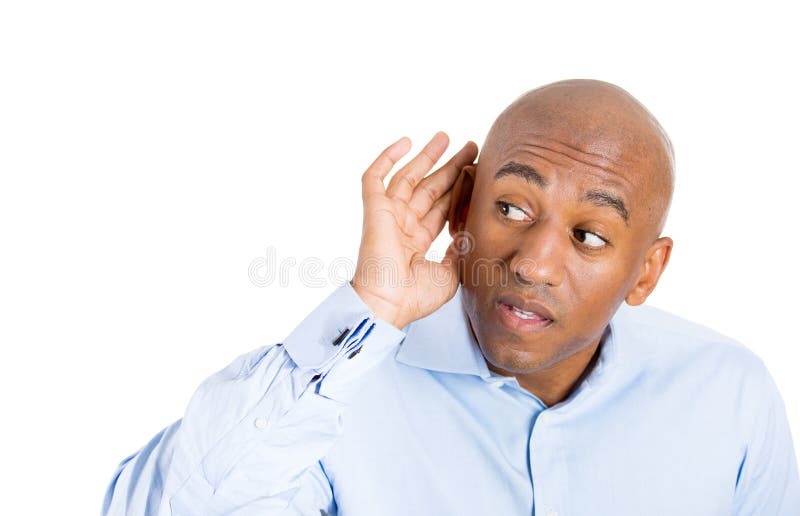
(150, 151)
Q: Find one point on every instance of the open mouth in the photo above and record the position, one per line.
(519, 320)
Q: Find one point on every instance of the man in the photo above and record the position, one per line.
(514, 377)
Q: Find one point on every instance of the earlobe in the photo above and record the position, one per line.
(460, 200)
(654, 264)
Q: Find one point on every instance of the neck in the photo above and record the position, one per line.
(555, 383)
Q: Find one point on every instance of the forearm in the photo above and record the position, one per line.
(252, 432)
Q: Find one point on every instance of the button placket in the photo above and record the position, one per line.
(547, 465)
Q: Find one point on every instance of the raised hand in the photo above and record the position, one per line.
(401, 221)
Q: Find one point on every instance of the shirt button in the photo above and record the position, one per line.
(497, 384)
(260, 423)
(551, 512)
(544, 418)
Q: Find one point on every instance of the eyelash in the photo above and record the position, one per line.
(501, 205)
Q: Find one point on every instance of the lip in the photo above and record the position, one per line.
(528, 305)
(543, 315)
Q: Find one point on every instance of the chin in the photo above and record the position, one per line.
(514, 359)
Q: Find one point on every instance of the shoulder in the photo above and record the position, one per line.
(658, 331)
(712, 380)
(674, 347)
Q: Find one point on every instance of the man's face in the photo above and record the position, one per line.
(554, 225)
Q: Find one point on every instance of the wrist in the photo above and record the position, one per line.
(379, 307)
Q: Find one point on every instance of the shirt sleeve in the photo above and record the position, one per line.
(253, 434)
(768, 480)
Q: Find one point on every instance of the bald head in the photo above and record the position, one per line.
(600, 124)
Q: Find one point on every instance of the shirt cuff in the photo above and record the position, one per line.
(336, 328)
(341, 339)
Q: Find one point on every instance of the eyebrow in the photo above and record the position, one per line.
(512, 168)
(603, 198)
(600, 198)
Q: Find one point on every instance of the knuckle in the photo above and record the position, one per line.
(408, 180)
(426, 153)
(431, 194)
(386, 158)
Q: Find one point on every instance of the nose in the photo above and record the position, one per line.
(541, 256)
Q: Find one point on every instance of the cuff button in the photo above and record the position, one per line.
(341, 337)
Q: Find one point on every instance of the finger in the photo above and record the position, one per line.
(438, 183)
(372, 180)
(434, 220)
(402, 184)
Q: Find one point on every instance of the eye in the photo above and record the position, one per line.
(510, 211)
(590, 239)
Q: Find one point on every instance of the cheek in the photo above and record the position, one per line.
(484, 259)
(595, 292)
(483, 228)
(591, 278)
(605, 276)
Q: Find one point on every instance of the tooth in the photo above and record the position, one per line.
(523, 314)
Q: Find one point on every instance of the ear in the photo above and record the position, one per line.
(460, 199)
(654, 264)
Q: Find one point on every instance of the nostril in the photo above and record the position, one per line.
(522, 279)
(526, 267)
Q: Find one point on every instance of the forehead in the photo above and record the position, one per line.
(586, 135)
(582, 126)
(561, 161)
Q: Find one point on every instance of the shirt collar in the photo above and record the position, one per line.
(443, 341)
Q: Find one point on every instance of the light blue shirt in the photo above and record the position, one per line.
(351, 416)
